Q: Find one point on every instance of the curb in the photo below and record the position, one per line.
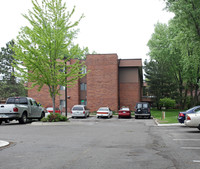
(3, 143)
(167, 125)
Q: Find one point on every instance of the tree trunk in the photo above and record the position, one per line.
(53, 99)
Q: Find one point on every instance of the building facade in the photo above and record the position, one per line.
(109, 82)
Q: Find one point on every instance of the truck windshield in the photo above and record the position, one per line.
(17, 101)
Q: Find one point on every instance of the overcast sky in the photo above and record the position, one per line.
(110, 26)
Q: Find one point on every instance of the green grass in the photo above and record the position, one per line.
(171, 115)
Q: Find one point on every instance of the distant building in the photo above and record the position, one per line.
(111, 82)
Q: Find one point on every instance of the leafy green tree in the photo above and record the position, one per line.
(187, 21)
(47, 45)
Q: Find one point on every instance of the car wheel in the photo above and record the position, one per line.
(119, 117)
(136, 117)
(0, 122)
(23, 119)
(97, 117)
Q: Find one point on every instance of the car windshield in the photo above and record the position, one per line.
(77, 108)
(103, 109)
(191, 109)
(124, 108)
(140, 105)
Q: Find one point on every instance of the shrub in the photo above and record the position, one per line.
(54, 118)
(167, 102)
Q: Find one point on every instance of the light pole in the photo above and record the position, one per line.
(65, 88)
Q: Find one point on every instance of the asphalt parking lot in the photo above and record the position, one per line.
(99, 143)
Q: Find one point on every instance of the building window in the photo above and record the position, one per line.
(83, 86)
(62, 103)
(62, 87)
(83, 70)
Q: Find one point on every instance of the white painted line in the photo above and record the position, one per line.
(3, 143)
(196, 161)
(186, 139)
(191, 148)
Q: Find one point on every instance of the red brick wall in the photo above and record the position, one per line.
(43, 97)
(74, 99)
(129, 94)
(102, 81)
(130, 88)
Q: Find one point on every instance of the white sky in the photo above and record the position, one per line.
(110, 26)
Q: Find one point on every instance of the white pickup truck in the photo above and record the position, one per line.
(21, 109)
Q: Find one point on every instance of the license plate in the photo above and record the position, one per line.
(124, 112)
(3, 116)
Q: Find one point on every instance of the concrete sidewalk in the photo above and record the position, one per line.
(166, 125)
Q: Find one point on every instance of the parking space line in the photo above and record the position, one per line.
(191, 148)
(196, 161)
(186, 139)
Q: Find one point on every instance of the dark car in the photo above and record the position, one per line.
(142, 110)
(181, 115)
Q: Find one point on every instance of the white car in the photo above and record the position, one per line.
(104, 112)
(193, 120)
(80, 111)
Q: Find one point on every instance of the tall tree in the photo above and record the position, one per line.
(159, 80)
(47, 44)
(6, 61)
(10, 86)
(187, 20)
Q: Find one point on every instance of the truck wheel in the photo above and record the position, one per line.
(23, 119)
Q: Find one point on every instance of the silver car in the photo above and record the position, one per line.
(80, 111)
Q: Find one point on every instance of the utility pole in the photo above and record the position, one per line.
(65, 88)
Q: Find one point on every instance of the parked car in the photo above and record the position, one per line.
(193, 120)
(50, 110)
(142, 110)
(124, 112)
(21, 109)
(104, 112)
(181, 115)
(80, 111)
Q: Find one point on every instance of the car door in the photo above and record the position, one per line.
(196, 118)
(35, 109)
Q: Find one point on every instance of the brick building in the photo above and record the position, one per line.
(111, 82)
